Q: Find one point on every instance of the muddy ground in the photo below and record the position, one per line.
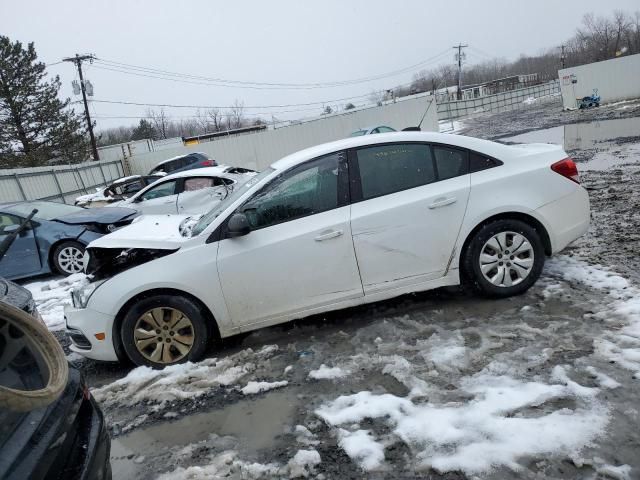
(430, 343)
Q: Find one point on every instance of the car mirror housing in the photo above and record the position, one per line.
(238, 225)
(11, 228)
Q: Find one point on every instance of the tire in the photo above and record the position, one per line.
(152, 334)
(67, 258)
(502, 276)
(18, 328)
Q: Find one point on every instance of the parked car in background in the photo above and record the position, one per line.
(184, 162)
(56, 238)
(188, 192)
(337, 225)
(120, 189)
(372, 130)
(50, 426)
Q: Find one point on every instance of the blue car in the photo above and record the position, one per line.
(56, 238)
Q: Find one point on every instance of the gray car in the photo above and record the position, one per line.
(56, 237)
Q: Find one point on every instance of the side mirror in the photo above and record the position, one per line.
(11, 228)
(238, 225)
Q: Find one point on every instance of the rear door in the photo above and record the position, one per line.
(408, 203)
(23, 257)
(199, 194)
(161, 198)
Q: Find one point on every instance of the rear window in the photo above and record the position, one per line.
(392, 168)
(479, 162)
(450, 162)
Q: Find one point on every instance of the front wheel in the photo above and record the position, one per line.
(504, 258)
(68, 258)
(164, 330)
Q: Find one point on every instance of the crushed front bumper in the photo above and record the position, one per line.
(91, 333)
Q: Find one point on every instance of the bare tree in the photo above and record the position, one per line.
(216, 119)
(160, 122)
(236, 114)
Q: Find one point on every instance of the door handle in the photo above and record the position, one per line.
(328, 235)
(441, 202)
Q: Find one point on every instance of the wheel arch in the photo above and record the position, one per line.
(117, 322)
(523, 217)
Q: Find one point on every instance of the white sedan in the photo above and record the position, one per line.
(337, 225)
(189, 192)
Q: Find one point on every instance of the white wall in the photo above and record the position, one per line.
(259, 150)
(616, 79)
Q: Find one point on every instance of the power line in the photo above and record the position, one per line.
(131, 69)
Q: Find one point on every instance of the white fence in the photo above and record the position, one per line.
(511, 100)
(616, 79)
(62, 183)
(258, 150)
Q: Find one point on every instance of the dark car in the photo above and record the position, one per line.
(55, 240)
(120, 189)
(66, 438)
(50, 426)
(184, 162)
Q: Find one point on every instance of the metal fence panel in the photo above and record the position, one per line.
(61, 183)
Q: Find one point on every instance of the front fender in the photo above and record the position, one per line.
(87, 236)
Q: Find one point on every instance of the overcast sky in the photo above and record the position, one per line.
(293, 42)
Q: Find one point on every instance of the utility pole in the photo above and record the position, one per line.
(562, 56)
(459, 47)
(78, 59)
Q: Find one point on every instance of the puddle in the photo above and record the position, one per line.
(587, 136)
(255, 423)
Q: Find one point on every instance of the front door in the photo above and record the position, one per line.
(407, 212)
(299, 255)
(22, 258)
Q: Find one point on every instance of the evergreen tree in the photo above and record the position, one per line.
(35, 125)
(143, 130)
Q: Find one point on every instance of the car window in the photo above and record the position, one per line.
(306, 190)
(6, 220)
(375, 130)
(386, 169)
(358, 133)
(450, 162)
(159, 191)
(132, 187)
(150, 179)
(479, 162)
(197, 183)
(385, 129)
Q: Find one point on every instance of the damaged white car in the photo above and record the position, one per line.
(340, 224)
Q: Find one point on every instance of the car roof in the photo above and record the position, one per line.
(218, 171)
(482, 146)
(178, 157)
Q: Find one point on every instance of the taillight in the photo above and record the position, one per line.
(208, 163)
(567, 168)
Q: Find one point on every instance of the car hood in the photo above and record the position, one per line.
(97, 215)
(147, 231)
(14, 294)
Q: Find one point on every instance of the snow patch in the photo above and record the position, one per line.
(328, 373)
(257, 387)
(302, 463)
(178, 382)
(362, 448)
(506, 419)
(52, 295)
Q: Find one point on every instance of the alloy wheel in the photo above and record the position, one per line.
(164, 335)
(506, 259)
(70, 260)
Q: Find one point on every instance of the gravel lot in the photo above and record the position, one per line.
(436, 385)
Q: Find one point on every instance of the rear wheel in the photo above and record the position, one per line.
(68, 258)
(165, 330)
(504, 258)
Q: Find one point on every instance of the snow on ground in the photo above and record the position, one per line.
(177, 382)
(505, 419)
(227, 464)
(52, 295)
(621, 342)
(447, 126)
(257, 387)
(328, 373)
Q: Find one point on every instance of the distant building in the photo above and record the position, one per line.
(492, 87)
